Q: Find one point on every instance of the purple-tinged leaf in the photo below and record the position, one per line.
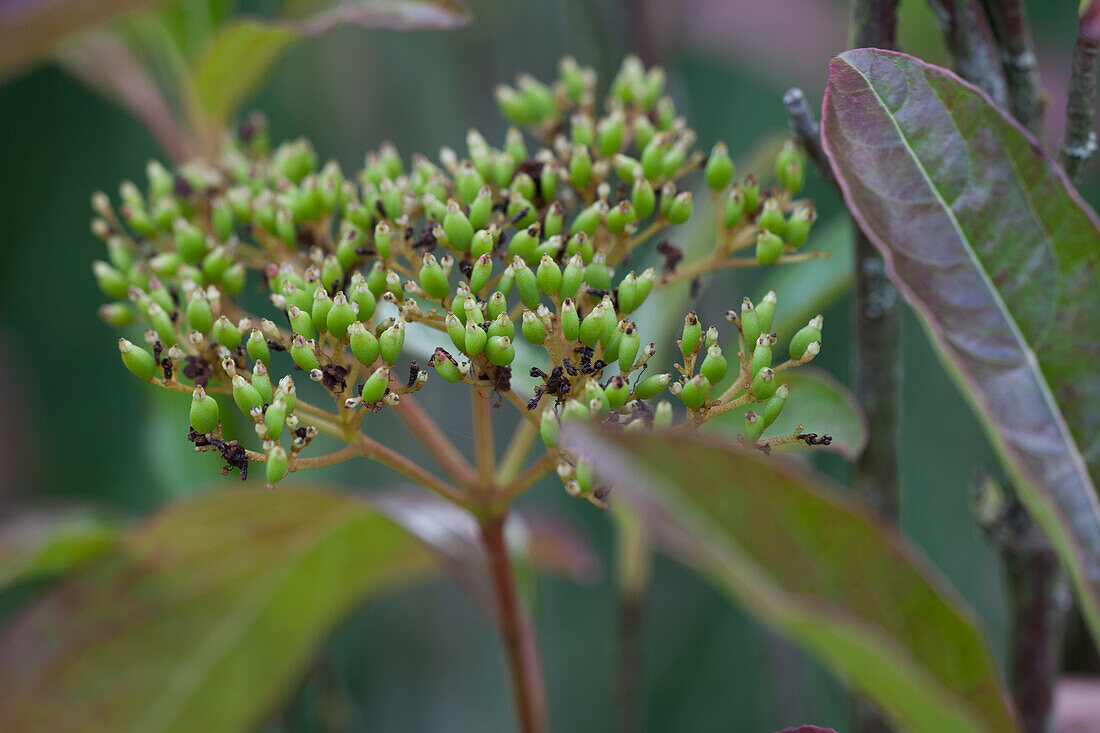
(201, 619)
(1001, 259)
(28, 28)
(814, 564)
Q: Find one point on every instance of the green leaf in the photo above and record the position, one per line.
(35, 547)
(813, 564)
(238, 57)
(1001, 259)
(818, 403)
(234, 62)
(203, 618)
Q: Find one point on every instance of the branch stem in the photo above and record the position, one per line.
(875, 353)
(483, 440)
(516, 632)
(1079, 142)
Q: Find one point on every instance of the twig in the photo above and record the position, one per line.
(376, 451)
(483, 439)
(805, 130)
(1008, 19)
(432, 439)
(1038, 597)
(516, 632)
(632, 575)
(874, 24)
(1079, 142)
(969, 39)
(876, 344)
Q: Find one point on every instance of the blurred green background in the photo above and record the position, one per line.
(75, 427)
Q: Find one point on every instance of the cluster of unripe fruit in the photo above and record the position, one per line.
(474, 247)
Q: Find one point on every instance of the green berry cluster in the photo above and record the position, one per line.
(534, 237)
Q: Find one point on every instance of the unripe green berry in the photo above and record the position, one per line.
(714, 365)
(597, 274)
(364, 344)
(226, 333)
(692, 333)
(754, 426)
(775, 404)
(524, 243)
(588, 219)
(374, 388)
(620, 216)
(502, 326)
(190, 243)
(322, 304)
(769, 247)
(496, 305)
(476, 338)
(257, 347)
(500, 351)
(459, 230)
(733, 208)
(652, 386)
(570, 321)
(643, 198)
(340, 316)
(681, 208)
(765, 311)
(764, 384)
(303, 354)
(662, 416)
(392, 341)
(762, 353)
(719, 169)
(139, 361)
(262, 382)
(199, 315)
(382, 240)
(481, 210)
(750, 193)
(805, 336)
(527, 284)
(750, 324)
(432, 278)
(593, 325)
(275, 418)
(204, 413)
(629, 345)
(113, 283)
(481, 272)
(609, 134)
(301, 322)
(276, 464)
(695, 392)
(446, 366)
(245, 395)
(362, 296)
(790, 168)
(533, 329)
(771, 218)
(798, 225)
(549, 428)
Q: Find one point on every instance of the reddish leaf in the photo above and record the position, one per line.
(1001, 259)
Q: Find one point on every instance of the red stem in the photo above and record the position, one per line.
(516, 632)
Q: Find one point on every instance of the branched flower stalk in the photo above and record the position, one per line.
(510, 258)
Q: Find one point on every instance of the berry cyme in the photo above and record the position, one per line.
(520, 261)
